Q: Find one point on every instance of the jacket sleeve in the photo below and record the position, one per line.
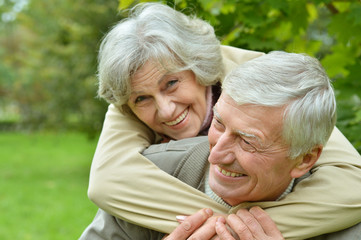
(127, 185)
(328, 200)
(232, 57)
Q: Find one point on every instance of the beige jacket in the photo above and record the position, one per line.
(129, 186)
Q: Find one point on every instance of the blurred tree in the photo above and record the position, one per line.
(51, 50)
(327, 29)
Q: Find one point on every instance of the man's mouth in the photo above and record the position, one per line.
(179, 119)
(229, 174)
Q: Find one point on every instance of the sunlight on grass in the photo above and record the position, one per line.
(43, 184)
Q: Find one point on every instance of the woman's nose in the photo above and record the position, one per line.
(165, 108)
(222, 150)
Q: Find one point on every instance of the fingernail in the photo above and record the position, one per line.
(209, 212)
(180, 218)
(221, 220)
(219, 225)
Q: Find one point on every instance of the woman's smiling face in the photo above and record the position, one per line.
(173, 104)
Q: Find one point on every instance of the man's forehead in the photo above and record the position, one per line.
(264, 124)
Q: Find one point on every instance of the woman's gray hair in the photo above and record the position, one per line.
(295, 81)
(156, 32)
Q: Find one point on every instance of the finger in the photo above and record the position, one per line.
(256, 227)
(206, 231)
(190, 224)
(237, 224)
(222, 231)
(266, 222)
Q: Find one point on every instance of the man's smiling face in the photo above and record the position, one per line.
(248, 158)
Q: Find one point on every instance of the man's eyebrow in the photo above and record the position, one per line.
(239, 132)
(259, 144)
(236, 131)
(216, 113)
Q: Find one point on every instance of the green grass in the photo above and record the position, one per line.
(43, 185)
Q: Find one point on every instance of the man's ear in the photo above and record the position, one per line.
(305, 163)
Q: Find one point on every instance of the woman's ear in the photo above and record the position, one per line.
(305, 163)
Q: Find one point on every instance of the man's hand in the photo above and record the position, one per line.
(190, 225)
(249, 225)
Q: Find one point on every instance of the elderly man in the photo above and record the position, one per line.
(270, 124)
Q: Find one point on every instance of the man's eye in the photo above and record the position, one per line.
(217, 123)
(247, 146)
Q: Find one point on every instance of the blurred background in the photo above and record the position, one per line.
(50, 117)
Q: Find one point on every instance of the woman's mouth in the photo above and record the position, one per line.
(179, 119)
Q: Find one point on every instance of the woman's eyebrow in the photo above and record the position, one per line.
(159, 82)
(165, 75)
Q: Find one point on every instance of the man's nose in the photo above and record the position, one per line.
(165, 108)
(222, 151)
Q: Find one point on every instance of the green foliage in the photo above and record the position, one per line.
(43, 184)
(327, 29)
(49, 63)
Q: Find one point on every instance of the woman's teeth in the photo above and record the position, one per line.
(178, 120)
(229, 174)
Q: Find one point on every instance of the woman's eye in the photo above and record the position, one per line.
(171, 83)
(139, 99)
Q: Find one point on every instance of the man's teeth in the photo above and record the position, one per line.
(229, 174)
(178, 120)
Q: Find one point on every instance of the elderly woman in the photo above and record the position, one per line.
(160, 71)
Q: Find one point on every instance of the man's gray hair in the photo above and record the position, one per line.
(156, 32)
(296, 81)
